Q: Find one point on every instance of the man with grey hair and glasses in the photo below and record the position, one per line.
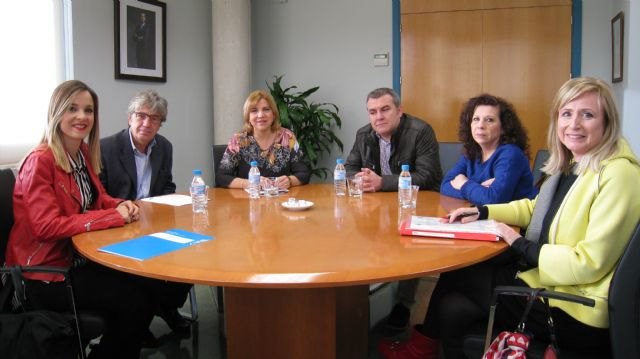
(136, 163)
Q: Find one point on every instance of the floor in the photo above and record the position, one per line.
(205, 341)
(206, 334)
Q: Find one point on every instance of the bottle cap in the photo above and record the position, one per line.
(197, 172)
(340, 161)
(254, 163)
(405, 167)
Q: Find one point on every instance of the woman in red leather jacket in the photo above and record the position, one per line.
(57, 195)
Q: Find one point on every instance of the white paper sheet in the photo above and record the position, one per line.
(170, 199)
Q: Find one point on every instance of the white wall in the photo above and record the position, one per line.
(596, 57)
(331, 44)
(596, 39)
(631, 82)
(188, 88)
(327, 43)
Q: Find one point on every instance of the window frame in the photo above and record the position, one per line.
(11, 153)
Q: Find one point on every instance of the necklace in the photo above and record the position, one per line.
(267, 139)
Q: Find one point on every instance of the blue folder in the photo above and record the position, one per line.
(153, 245)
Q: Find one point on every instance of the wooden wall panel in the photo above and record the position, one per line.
(420, 6)
(441, 67)
(527, 57)
(522, 54)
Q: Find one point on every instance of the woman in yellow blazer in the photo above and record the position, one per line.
(576, 231)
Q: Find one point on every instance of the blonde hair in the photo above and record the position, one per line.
(251, 101)
(561, 159)
(61, 100)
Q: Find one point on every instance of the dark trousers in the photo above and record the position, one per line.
(461, 301)
(125, 305)
(165, 296)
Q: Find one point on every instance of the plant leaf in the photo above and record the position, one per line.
(312, 123)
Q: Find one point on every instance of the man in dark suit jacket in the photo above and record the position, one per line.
(119, 171)
(136, 163)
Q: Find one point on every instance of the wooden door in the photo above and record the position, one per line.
(441, 66)
(454, 50)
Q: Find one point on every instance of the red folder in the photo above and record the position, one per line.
(441, 231)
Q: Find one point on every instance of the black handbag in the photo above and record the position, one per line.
(37, 334)
(514, 344)
(32, 334)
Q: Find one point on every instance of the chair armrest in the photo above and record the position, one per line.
(527, 291)
(45, 269)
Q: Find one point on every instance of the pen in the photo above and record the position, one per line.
(460, 216)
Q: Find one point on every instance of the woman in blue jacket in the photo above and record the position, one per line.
(495, 165)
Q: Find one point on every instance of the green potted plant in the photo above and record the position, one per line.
(312, 123)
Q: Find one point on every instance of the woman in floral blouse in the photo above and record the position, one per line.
(263, 140)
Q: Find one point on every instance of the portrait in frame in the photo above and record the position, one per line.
(140, 40)
(617, 47)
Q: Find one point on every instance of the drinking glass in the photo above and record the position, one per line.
(270, 187)
(414, 195)
(355, 186)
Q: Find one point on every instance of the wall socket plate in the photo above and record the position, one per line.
(380, 60)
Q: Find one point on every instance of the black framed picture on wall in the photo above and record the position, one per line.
(617, 47)
(140, 40)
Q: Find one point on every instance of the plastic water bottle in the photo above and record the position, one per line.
(254, 181)
(404, 187)
(340, 178)
(198, 190)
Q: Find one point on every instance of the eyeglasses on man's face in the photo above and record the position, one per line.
(143, 116)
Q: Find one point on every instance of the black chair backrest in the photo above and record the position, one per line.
(7, 182)
(541, 157)
(450, 153)
(218, 151)
(624, 302)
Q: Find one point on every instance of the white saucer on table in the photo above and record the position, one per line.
(299, 205)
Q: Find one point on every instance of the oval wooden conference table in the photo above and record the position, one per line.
(296, 282)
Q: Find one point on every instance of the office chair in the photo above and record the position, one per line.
(7, 181)
(450, 153)
(624, 302)
(218, 152)
(60, 336)
(624, 313)
(541, 157)
(87, 325)
(193, 316)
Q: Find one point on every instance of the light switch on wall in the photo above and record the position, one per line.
(381, 59)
